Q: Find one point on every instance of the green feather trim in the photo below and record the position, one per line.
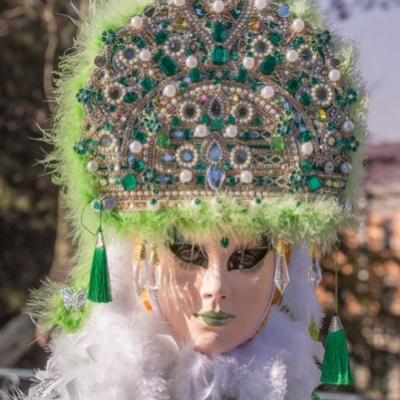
(336, 368)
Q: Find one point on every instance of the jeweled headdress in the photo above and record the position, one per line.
(198, 99)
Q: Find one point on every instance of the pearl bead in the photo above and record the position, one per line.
(93, 166)
(145, 55)
(169, 91)
(346, 168)
(292, 56)
(218, 6)
(137, 22)
(246, 177)
(231, 131)
(298, 25)
(201, 131)
(191, 62)
(307, 148)
(267, 92)
(334, 75)
(135, 147)
(185, 176)
(179, 3)
(249, 62)
(348, 126)
(260, 4)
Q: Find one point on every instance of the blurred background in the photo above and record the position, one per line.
(34, 236)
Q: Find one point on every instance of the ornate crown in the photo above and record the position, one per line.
(195, 99)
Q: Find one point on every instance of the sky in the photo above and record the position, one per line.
(377, 36)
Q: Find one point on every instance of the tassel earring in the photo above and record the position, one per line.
(336, 367)
(99, 285)
(315, 272)
(281, 277)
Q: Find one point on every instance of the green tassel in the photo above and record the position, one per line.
(336, 369)
(99, 286)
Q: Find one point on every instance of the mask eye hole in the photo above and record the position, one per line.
(247, 259)
(190, 254)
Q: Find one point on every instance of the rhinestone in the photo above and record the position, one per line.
(283, 11)
(215, 178)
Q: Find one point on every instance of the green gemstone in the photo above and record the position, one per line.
(130, 97)
(163, 141)
(170, 180)
(306, 166)
(227, 165)
(168, 66)
(219, 55)
(176, 121)
(234, 56)
(205, 119)
(129, 182)
(257, 121)
(161, 37)
(225, 242)
(232, 181)
(314, 184)
(243, 75)
(197, 202)
(261, 181)
(268, 66)
(293, 86)
(276, 38)
(147, 84)
(139, 165)
(305, 136)
(231, 119)
(195, 75)
(200, 179)
(217, 124)
(278, 144)
(297, 180)
(220, 32)
(139, 42)
(201, 167)
(305, 99)
(140, 136)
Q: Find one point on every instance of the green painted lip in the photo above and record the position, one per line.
(213, 318)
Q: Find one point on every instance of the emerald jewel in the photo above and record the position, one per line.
(314, 184)
(278, 144)
(268, 66)
(130, 97)
(225, 242)
(129, 182)
(306, 166)
(195, 75)
(220, 32)
(219, 55)
(147, 84)
(168, 66)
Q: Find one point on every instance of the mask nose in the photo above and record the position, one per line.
(215, 285)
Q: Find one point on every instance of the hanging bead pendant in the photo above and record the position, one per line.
(315, 273)
(282, 277)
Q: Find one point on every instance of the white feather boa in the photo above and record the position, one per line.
(124, 353)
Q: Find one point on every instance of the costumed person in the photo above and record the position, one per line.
(206, 150)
